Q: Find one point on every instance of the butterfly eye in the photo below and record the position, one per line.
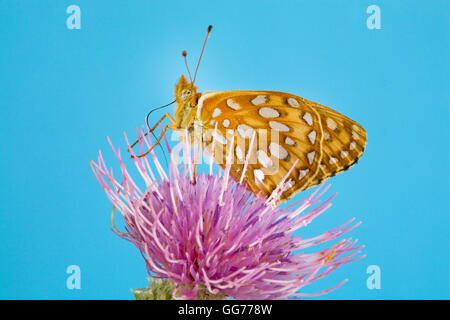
(186, 94)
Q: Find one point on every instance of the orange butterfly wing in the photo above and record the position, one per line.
(288, 129)
(344, 141)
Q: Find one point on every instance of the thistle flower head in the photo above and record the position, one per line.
(208, 232)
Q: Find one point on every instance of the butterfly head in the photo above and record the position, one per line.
(185, 92)
(186, 97)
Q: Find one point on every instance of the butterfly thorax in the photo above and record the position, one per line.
(186, 97)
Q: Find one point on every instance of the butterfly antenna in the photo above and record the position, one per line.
(184, 53)
(201, 53)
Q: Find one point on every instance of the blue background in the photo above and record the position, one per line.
(63, 91)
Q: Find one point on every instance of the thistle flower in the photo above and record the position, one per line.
(208, 234)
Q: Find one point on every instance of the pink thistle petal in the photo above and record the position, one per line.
(204, 230)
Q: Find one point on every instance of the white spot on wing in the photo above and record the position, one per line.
(312, 137)
(259, 100)
(292, 102)
(219, 138)
(216, 112)
(264, 159)
(289, 141)
(352, 145)
(278, 151)
(355, 135)
(259, 175)
(344, 153)
(245, 131)
(308, 118)
(233, 105)
(333, 160)
(331, 124)
(239, 153)
(302, 174)
(311, 156)
(289, 185)
(279, 126)
(226, 123)
(268, 113)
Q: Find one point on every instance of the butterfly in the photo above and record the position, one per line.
(276, 132)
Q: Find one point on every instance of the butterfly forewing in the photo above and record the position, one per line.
(288, 130)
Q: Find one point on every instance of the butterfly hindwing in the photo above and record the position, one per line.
(343, 143)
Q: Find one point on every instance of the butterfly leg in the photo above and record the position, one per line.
(157, 141)
(154, 127)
